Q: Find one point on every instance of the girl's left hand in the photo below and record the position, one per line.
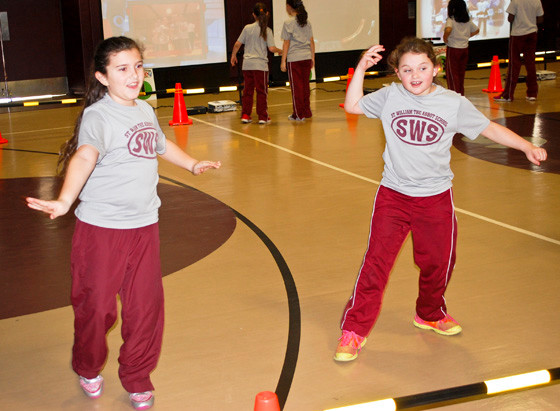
(202, 166)
(536, 154)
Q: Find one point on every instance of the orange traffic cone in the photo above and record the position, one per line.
(495, 81)
(2, 140)
(180, 115)
(350, 75)
(266, 401)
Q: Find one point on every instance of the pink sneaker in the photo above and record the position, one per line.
(141, 400)
(446, 326)
(92, 388)
(349, 346)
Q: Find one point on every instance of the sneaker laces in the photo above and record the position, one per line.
(350, 338)
(141, 396)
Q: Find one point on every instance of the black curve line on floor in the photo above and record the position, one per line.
(294, 328)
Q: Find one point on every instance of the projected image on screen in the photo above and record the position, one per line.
(173, 32)
(337, 25)
(489, 15)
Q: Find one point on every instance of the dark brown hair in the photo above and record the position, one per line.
(411, 45)
(301, 15)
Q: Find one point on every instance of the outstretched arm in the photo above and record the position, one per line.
(506, 137)
(176, 156)
(356, 87)
(80, 167)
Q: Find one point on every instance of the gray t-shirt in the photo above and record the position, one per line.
(419, 132)
(460, 33)
(300, 40)
(526, 13)
(121, 190)
(255, 56)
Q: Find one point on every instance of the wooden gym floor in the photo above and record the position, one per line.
(260, 257)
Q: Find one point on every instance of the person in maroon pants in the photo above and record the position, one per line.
(458, 29)
(524, 15)
(298, 57)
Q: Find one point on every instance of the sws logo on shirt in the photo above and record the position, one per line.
(417, 130)
(142, 142)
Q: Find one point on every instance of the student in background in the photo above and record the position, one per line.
(458, 29)
(298, 57)
(258, 40)
(524, 16)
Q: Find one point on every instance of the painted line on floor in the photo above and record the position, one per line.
(369, 180)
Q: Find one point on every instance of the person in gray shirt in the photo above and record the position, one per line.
(415, 196)
(258, 40)
(298, 57)
(111, 163)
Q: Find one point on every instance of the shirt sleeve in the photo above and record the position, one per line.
(474, 27)
(270, 38)
(470, 121)
(93, 132)
(372, 104)
(540, 11)
(161, 141)
(243, 36)
(286, 34)
(448, 23)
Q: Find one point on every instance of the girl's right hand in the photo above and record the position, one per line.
(370, 57)
(54, 208)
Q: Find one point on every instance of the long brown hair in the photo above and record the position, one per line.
(94, 91)
(301, 13)
(262, 16)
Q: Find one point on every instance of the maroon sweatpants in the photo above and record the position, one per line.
(298, 74)
(106, 262)
(528, 46)
(432, 222)
(455, 67)
(255, 79)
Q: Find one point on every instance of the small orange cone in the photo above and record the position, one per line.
(350, 75)
(266, 401)
(180, 115)
(2, 140)
(495, 80)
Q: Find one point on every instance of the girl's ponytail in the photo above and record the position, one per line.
(262, 16)
(301, 13)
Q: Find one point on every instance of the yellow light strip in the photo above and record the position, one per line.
(479, 65)
(30, 103)
(69, 101)
(287, 83)
(228, 88)
(515, 382)
(539, 58)
(372, 73)
(328, 79)
(388, 404)
(194, 91)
